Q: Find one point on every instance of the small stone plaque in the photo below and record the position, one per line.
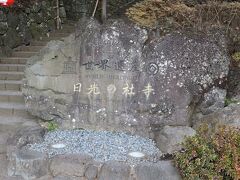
(69, 67)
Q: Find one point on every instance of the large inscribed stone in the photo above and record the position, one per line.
(110, 65)
(113, 77)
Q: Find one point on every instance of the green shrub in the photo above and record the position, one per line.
(52, 126)
(211, 154)
(229, 101)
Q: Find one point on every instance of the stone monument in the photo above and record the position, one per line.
(112, 76)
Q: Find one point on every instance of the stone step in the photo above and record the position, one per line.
(29, 48)
(38, 43)
(53, 38)
(11, 75)
(13, 111)
(10, 93)
(11, 99)
(58, 34)
(66, 31)
(9, 109)
(13, 60)
(67, 27)
(12, 67)
(13, 122)
(10, 85)
(24, 54)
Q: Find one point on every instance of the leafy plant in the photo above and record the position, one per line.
(229, 101)
(52, 126)
(211, 154)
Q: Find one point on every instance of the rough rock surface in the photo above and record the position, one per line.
(180, 67)
(91, 171)
(17, 161)
(48, 90)
(109, 77)
(170, 138)
(116, 170)
(229, 115)
(212, 101)
(70, 165)
(234, 84)
(161, 171)
(19, 25)
(28, 164)
(26, 135)
(76, 167)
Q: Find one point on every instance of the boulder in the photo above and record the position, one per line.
(74, 165)
(28, 164)
(91, 172)
(179, 67)
(110, 77)
(16, 142)
(46, 91)
(114, 170)
(170, 139)
(163, 170)
(213, 101)
(26, 135)
(229, 115)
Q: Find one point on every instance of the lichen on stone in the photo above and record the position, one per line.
(236, 56)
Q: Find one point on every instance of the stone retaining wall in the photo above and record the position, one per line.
(75, 9)
(20, 23)
(34, 165)
(26, 164)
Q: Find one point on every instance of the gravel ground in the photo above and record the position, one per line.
(102, 145)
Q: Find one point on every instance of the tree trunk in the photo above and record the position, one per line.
(58, 14)
(104, 10)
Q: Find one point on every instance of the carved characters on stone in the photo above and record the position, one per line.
(93, 89)
(148, 90)
(77, 87)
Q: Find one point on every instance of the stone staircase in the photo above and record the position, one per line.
(12, 108)
(12, 72)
